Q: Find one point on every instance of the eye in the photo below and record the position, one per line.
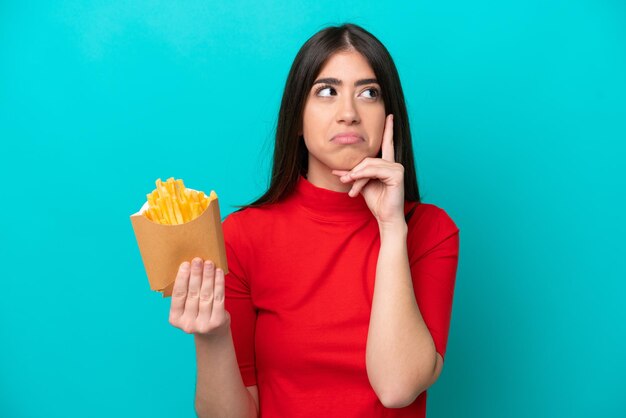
(325, 87)
(373, 91)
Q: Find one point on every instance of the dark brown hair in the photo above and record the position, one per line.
(290, 152)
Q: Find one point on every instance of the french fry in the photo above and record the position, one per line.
(154, 215)
(184, 207)
(169, 184)
(163, 207)
(170, 210)
(151, 199)
(161, 190)
(177, 212)
(195, 210)
(173, 204)
(179, 190)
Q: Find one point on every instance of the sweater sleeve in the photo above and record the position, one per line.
(433, 256)
(238, 301)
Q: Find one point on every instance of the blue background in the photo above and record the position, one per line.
(518, 112)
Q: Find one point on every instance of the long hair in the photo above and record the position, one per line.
(290, 152)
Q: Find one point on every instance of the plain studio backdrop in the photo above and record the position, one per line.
(518, 115)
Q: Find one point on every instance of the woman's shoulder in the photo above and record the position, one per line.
(255, 213)
(429, 226)
(430, 209)
(431, 218)
(249, 220)
(239, 218)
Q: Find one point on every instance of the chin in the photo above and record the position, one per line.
(351, 162)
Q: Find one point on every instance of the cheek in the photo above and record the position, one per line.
(313, 120)
(313, 143)
(376, 150)
(377, 130)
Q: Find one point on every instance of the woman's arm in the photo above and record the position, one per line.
(220, 391)
(401, 355)
(198, 300)
(401, 358)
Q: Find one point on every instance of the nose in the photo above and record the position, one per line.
(347, 111)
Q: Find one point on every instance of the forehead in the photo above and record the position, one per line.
(347, 65)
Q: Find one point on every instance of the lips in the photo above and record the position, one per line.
(347, 138)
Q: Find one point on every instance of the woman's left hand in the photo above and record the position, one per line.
(380, 181)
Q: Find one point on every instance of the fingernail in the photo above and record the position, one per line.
(184, 265)
(196, 263)
(208, 264)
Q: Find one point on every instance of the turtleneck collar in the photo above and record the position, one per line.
(329, 205)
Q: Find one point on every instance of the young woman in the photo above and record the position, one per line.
(339, 293)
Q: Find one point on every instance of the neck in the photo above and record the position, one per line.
(322, 203)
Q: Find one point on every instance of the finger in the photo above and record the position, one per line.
(367, 162)
(179, 293)
(206, 291)
(387, 145)
(364, 163)
(342, 174)
(383, 173)
(219, 297)
(193, 293)
(357, 187)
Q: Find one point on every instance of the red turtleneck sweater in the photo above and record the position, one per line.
(299, 291)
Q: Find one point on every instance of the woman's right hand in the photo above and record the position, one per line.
(198, 301)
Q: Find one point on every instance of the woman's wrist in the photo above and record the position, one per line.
(215, 337)
(393, 228)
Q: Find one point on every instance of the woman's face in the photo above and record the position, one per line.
(345, 98)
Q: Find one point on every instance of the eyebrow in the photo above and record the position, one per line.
(335, 81)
